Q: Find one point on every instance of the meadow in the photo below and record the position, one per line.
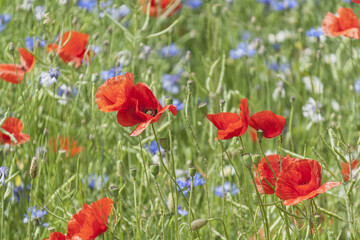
(179, 119)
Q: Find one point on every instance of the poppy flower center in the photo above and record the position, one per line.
(150, 111)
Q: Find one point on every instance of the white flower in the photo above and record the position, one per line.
(315, 82)
(228, 171)
(279, 90)
(39, 12)
(26, 5)
(311, 110)
(335, 105)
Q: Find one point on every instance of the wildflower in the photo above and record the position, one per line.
(357, 86)
(278, 67)
(112, 72)
(271, 124)
(136, 104)
(36, 215)
(116, 12)
(15, 73)
(4, 18)
(231, 125)
(65, 145)
(313, 82)
(29, 42)
(171, 83)
(266, 175)
(94, 181)
(74, 49)
(279, 90)
(13, 126)
(301, 181)
(39, 12)
(243, 49)
(50, 77)
(26, 5)
(312, 32)
(170, 51)
(285, 4)
(89, 5)
(90, 222)
(153, 148)
(3, 175)
(356, 1)
(176, 102)
(65, 92)
(164, 6)
(198, 181)
(346, 24)
(355, 164)
(145, 52)
(194, 3)
(227, 188)
(182, 211)
(311, 110)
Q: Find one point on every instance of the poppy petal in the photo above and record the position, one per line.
(244, 115)
(223, 120)
(12, 74)
(330, 25)
(326, 186)
(269, 122)
(233, 130)
(22, 138)
(347, 18)
(56, 236)
(114, 93)
(140, 128)
(27, 59)
(145, 97)
(13, 125)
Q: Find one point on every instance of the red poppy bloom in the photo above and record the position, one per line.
(13, 126)
(164, 6)
(356, 1)
(355, 164)
(136, 104)
(269, 122)
(64, 144)
(15, 73)
(346, 24)
(74, 48)
(301, 181)
(266, 174)
(231, 124)
(90, 222)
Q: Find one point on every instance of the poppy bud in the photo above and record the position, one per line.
(256, 159)
(203, 108)
(154, 169)
(81, 76)
(133, 172)
(292, 99)
(109, 29)
(120, 168)
(189, 83)
(170, 203)
(247, 160)
(113, 189)
(94, 77)
(11, 47)
(164, 143)
(192, 171)
(198, 223)
(33, 168)
(222, 104)
(260, 135)
(168, 101)
(216, 9)
(74, 20)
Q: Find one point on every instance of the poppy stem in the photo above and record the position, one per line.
(189, 218)
(218, 219)
(263, 153)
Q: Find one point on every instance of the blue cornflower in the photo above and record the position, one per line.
(112, 72)
(87, 4)
(4, 18)
(198, 181)
(347, 1)
(182, 211)
(176, 102)
(50, 77)
(3, 174)
(116, 13)
(312, 32)
(65, 93)
(170, 51)
(246, 35)
(243, 49)
(29, 43)
(277, 46)
(227, 186)
(18, 192)
(265, 1)
(194, 3)
(171, 83)
(282, 5)
(36, 215)
(278, 67)
(94, 181)
(153, 148)
(357, 86)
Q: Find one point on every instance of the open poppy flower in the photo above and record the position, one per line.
(266, 174)
(271, 124)
(90, 222)
(346, 24)
(231, 124)
(136, 104)
(15, 73)
(64, 144)
(164, 6)
(13, 126)
(355, 164)
(73, 47)
(356, 1)
(301, 181)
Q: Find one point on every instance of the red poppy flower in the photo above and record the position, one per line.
(164, 6)
(266, 174)
(13, 126)
(269, 122)
(355, 164)
(74, 48)
(356, 1)
(231, 124)
(301, 181)
(64, 144)
(15, 73)
(90, 222)
(346, 24)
